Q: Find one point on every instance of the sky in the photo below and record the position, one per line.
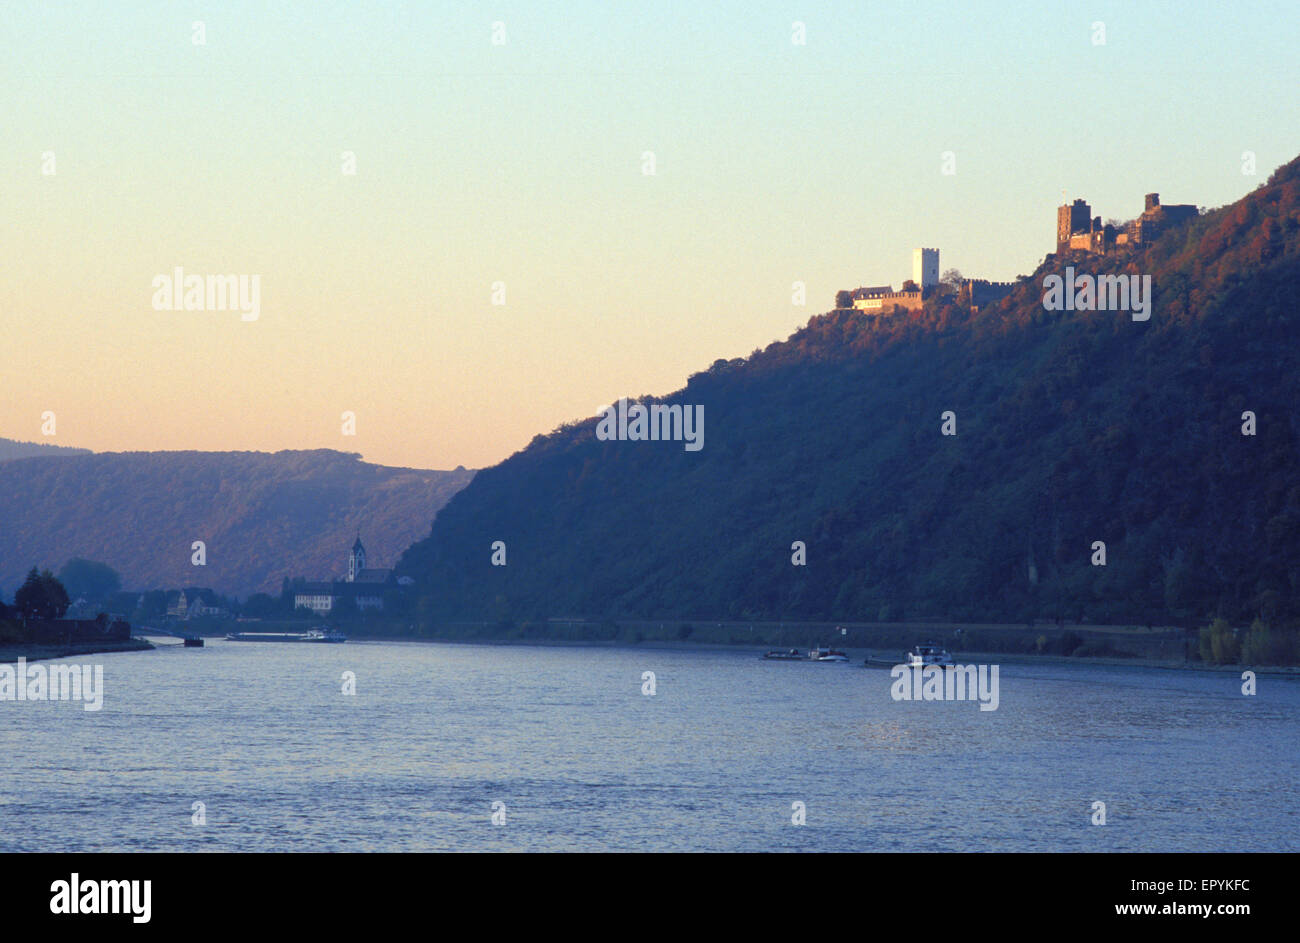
(515, 171)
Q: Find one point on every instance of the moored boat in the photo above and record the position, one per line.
(792, 655)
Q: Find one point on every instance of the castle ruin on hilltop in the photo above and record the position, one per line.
(1077, 230)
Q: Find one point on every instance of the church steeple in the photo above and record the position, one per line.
(356, 560)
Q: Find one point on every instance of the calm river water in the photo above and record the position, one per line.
(435, 734)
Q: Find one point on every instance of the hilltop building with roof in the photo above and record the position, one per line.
(1077, 230)
(924, 283)
(193, 603)
(881, 299)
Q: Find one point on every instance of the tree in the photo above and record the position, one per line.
(261, 605)
(41, 596)
(1181, 585)
(56, 596)
(397, 604)
(31, 595)
(151, 605)
(121, 604)
(844, 299)
(89, 579)
(1218, 644)
(952, 279)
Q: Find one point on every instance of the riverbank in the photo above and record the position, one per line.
(856, 655)
(1001, 658)
(34, 652)
(1168, 647)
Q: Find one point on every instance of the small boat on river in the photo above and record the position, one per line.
(792, 655)
(827, 654)
(315, 635)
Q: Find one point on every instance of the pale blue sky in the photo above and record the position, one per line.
(776, 163)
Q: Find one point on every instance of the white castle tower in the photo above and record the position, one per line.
(356, 560)
(925, 267)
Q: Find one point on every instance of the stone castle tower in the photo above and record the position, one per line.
(1070, 220)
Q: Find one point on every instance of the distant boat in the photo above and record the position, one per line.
(792, 655)
(193, 641)
(929, 654)
(315, 635)
(827, 654)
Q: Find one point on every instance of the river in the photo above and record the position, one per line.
(576, 757)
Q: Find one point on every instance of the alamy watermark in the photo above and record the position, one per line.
(1098, 293)
(655, 423)
(79, 896)
(24, 682)
(181, 292)
(946, 683)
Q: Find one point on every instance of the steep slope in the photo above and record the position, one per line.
(1073, 427)
(261, 516)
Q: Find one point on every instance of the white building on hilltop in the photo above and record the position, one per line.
(882, 299)
(925, 268)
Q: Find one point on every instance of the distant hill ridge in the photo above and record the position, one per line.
(11, 449)
(1072, 427)
(262, 516)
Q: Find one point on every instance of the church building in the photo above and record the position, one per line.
(365, 586)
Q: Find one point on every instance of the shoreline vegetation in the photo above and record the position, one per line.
(1091, 645)
(41, 631)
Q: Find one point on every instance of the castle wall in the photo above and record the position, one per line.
(979, 292)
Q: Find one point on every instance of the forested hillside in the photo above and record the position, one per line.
(1072, 427)
(11, 449)
(261, 516)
